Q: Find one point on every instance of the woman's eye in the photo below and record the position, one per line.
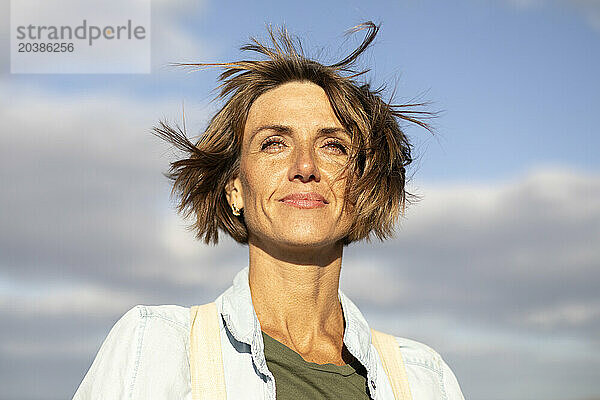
(272, 144)
(337, 146)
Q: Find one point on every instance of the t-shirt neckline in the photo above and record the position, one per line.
(295, 358)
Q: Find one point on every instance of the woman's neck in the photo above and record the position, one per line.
(297, 303)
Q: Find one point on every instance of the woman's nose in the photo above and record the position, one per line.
(304, 166)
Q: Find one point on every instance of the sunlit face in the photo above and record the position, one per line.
(293, 149)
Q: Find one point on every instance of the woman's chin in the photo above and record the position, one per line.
(305, 238)
(301, 233)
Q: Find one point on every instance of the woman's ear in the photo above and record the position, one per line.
(233, 192)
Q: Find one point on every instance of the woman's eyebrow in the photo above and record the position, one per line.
(277, 128)
(328, 131)
(287, 129)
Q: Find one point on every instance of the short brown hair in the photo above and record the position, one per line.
(376, 167)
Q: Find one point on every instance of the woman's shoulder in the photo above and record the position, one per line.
(172, 315)
(421, 360)
(417, 352)
(155, 328)
(147, 321)
(145, 352)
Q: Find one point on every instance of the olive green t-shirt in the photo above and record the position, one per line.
(296, 378)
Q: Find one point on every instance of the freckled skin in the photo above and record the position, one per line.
(303, 160)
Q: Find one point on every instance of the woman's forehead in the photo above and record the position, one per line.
(293, 104)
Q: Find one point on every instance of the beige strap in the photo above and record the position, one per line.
(391, 358)
(206, 360)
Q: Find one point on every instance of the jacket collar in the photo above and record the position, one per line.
(235, 306)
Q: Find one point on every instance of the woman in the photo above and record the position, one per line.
(300, 162)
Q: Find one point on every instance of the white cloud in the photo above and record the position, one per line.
(66, 300)
(18, 347)
(86, 182)
(493, 253)
(358, 279)
(588, 9)
(569, 313)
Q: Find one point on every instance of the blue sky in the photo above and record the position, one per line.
(497, 267)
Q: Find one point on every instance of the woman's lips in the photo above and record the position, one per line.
(305, 200)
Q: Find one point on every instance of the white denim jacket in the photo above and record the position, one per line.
(146, 355)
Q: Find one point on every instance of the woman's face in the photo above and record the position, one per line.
(293, 147)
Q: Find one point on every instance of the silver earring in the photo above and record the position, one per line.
(235, 210)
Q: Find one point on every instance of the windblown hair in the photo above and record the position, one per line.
(380, 151)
